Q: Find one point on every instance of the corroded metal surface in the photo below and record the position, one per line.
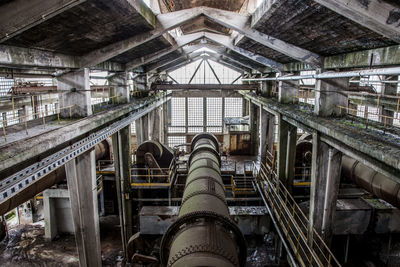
(203, 234)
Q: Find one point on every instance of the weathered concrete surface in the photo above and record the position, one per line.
(15, 156)
(81, 178)
(378, 150)
(75, 87)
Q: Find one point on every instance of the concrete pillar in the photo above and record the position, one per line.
(254, 128)
(246, 106)
(164, 123)
(57, 213)
(154, 125)
(267, 123)
(122, 163)
(388, 89)
(328, 97)
(76, 85)
(286, 152)
(264, 119)
(81, 178)
(21, 114)
(325, 180)
(288, 89)
(146, 130)
(139, 131)
(119, 87)
(268, 87)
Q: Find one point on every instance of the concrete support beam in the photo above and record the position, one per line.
(264, 120)
(154, 125)
(82, 186)
(241, 24)
(325, 180)
(180, 42)
(19, 15)
(119, 82)
(17, 56)
(287, 91)
(254, 128)
(379, 16)
(286, 152)
(122, 163)
(227, 42)
(164, 123)
(76, 86)
(328, 97)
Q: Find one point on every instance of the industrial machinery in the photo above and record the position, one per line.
(203, 234)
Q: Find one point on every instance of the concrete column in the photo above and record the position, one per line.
(57, 213)
(164, 123)
(146, 130)
(21, 114)
(388, 89)
(154, 124)
(264, 119)
(325, 180)
(267, 87)
(286, 152)
(75, 84)
(254, 128)
(120, 87)
(246, 106)
(139, 131)
(328, 97)
(81, 178)
(288, 89)
(122, 164)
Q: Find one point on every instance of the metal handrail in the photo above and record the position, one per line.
(309, 249)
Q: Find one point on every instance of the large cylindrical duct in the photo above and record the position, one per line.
(203, 234)
(102, 150)
(372, 181)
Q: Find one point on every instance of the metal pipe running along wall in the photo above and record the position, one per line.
(203, 234)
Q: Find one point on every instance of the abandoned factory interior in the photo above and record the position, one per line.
(182, 133)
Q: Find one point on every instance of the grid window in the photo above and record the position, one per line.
(373, 113)
(195, 113)
(177, 140)
(308, 81)
(214, 111)
(178, 113)
(396, 120)
(214, 129)
(5, 85)
(360, 111)
(233, 107)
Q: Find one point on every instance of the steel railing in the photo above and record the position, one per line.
(307, 245)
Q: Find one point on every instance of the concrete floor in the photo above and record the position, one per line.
(26, 246)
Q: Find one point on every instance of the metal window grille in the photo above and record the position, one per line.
(233, 107)
(178, 115)
(195, 114)
(177, 140)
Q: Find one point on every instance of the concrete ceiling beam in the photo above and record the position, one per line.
(227, 42)
(180, 42)
(241, 24)
(20, 15)
(163, 23)
(379, 16)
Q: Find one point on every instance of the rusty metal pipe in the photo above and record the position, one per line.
(102, 150)
(203, 234)
(372, 181)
